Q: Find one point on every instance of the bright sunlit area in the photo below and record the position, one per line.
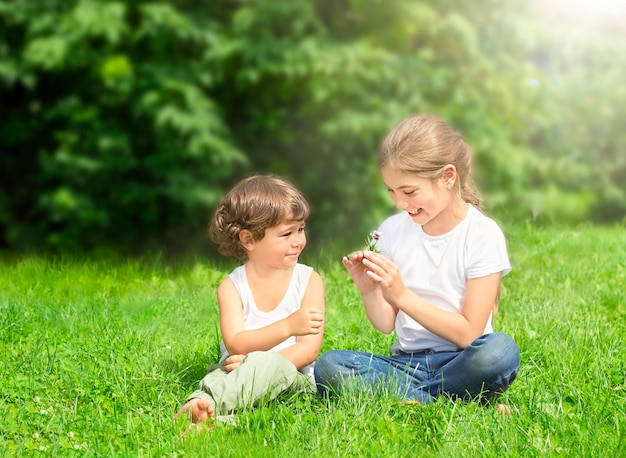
(592, 9)
(588, 13)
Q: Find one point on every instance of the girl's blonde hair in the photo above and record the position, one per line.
(255, 204)
(423, 145)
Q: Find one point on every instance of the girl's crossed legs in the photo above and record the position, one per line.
(484, 369)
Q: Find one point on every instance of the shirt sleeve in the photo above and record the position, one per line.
(487, 251)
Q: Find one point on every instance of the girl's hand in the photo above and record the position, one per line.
(354, 264)
(385, 273)
(232, 362)
(306, 321)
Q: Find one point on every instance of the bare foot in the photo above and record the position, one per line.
(199, 410)
(503, 409)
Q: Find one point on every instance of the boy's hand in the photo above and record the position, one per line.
(306, 321)
(232, 362)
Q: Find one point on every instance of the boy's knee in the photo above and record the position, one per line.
(273, 359)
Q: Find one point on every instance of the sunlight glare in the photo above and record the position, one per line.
(593, 10)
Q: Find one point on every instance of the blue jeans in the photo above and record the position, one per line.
(482, 370)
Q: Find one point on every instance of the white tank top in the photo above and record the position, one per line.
(255, 318)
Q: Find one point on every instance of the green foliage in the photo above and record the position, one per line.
(110, 130)
(99, 356)
(580, 168)
(122, 122)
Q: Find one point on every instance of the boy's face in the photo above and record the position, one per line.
(281, 245)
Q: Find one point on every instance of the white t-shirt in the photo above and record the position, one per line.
(255, 318)
(437, 268)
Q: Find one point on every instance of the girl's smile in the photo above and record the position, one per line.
(428, 202)
(414, 214)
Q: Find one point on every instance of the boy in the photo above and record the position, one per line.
(271, 307)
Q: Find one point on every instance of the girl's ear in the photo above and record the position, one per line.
(247, 239)
(449, 176)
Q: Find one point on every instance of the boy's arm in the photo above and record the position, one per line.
(307, 348)
(239, 341)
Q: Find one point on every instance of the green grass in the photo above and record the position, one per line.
(97, 356)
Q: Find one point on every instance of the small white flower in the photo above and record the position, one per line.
(372, 240)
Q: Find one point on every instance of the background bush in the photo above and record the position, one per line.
(122, 122)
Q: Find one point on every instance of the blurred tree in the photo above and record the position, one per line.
(109, 133)
(577, 135)
(122, 122)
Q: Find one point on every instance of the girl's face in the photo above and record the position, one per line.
(281, 245)
(428, 202)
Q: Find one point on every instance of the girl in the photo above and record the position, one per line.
(435, 279)
(271, 307)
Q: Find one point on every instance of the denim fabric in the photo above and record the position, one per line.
(484, 369)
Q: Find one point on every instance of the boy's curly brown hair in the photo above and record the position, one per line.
(255, 203)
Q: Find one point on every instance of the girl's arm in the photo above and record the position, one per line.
(380, 313)
(460, 329)
(239, 341)
(307, 348)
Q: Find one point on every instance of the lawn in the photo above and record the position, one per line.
(98, 355)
